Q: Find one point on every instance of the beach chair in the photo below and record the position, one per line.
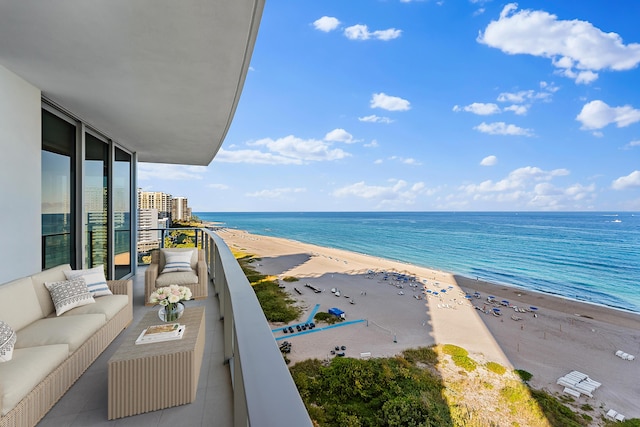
(572, 392)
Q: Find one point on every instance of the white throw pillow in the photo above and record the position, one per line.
(177, 261)
(68, 294)
(94, 278)
(7, 341)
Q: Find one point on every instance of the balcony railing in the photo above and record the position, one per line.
(264, 393)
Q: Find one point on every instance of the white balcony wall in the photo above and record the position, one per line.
(20, 177)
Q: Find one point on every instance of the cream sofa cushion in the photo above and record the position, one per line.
(109, 305)
(179, 278)
(71, 330)
(54, 274)
(26, 370)
(20, 305)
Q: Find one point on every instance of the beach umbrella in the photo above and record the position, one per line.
(496, 309)
(468, 296)
(533, 308)
(504, 301)
(491, 296)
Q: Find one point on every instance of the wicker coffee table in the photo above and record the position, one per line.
(148, 377)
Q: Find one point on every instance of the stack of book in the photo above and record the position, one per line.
(159, 333)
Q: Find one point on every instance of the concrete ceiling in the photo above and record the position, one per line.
(161, 77)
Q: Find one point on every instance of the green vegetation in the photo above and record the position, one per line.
(375, 392)
(323, 316)
(460, 357)
(524, 375)
(556, 413)
(290, 279)
(276, 304)
(496, 368)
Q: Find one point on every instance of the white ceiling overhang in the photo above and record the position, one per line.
(161, 77)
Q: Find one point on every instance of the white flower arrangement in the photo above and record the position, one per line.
(170, 295)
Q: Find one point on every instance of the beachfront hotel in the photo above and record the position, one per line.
(88, 90)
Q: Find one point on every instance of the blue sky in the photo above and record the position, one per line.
(463, 105)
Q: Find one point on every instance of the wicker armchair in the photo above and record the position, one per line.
(196, 279)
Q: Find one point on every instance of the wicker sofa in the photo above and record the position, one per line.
(51, 352)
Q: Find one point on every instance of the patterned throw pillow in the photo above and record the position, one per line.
(177, 261)
(94, 277)
(7, 341)
(69, 294)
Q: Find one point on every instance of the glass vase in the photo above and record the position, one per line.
(171, 312)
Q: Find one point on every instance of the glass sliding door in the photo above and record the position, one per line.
(122, 212)
(96, 173)
(58, 191)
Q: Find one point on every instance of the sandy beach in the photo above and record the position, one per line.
(390, 306)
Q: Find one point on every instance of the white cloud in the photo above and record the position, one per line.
(530, 187)
(339, 135)
(597, 114)
(526, 95)
(218, 186)
(520, 110)
(576, 48)
(169, 172)
(517, 179)
(632, 144)
(361, 32)
(372, 144)
(254, 157)
(326, 24)
(630, 181)
(479, 108)
(502, 128)
(397, 192)
(489, 161)
(390, 103)
(289, 150)
(378, 162)
(275, 193)
(375, 119)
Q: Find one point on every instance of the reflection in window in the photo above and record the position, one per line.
(122, 213)
(58, 148)
(95, 202)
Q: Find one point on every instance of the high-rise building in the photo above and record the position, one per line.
(149, 236)
(157, 200)
(180, 210)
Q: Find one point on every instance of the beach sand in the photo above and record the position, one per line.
(384, 319)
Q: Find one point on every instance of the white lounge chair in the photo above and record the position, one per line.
(572, 392)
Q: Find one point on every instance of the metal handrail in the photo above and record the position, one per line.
(264, 393)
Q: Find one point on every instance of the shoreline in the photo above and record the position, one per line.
(456, 274)
(561, 336)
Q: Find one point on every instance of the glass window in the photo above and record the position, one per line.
(95, 202)
(122, 212)
(58, 187)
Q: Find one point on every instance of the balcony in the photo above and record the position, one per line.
(243, 381)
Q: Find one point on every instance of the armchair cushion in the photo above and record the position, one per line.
(180, 278)
(177, 261)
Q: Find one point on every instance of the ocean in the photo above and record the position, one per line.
(586, 256)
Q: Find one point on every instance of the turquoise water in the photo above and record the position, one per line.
(593, 257)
